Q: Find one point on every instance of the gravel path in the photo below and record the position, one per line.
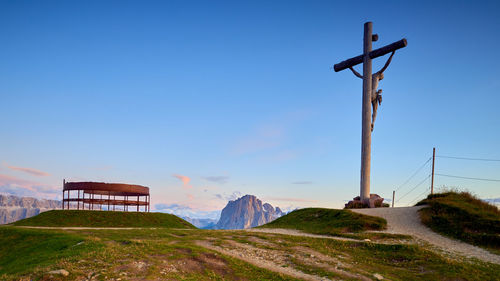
(405, 220)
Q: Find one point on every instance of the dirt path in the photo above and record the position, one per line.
(405, 220)
(279, 261)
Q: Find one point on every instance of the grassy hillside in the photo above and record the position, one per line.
(82, 218)
(22, 250)
(327, 221)
(463, 216)
(176, 254)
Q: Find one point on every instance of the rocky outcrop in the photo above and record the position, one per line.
(13, 208)
(247, 212)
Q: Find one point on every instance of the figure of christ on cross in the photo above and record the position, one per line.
(371, 99)
(376, 95)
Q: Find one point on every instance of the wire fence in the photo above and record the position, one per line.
(409, 189)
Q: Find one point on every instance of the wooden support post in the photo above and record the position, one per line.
(67, 201)
(366, 114)
(83, 201)
(126, 206)
(393, 195)
(114, 202)
(109, 198)
(78, 201)
(137, 203)
(64, 187)
(432, 177)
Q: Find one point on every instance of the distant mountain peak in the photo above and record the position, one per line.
(246, 212)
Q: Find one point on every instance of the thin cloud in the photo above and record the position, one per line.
(290, 199)
(31, 171)
(302, 182)
(20, 187)
(186, 211)
(231, 197)
(262, 139)
(185, 180)
(217, 179)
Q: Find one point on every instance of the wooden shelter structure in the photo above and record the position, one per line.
(96, 195)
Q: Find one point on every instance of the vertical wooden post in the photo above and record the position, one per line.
(64, 186)
(67, 201)
(137, 203)
(109, 199)
(126, 206)
(432, 177)
(393, 195)
(366, 114)
(83, 201)
(114, 202)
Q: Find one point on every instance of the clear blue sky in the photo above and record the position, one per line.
(240, 97)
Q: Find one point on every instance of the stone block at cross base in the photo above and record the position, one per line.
(375, 201)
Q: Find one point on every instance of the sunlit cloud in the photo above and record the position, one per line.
(184, 179)
(30, 171)
(20, 187)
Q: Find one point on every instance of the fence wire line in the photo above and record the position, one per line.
(468, 158)
(416, 198)
(467, 178)
(419, 184)
(414, 174)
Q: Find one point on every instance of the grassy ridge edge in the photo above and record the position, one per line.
(85, 218)
(462, 216)
(327, 221)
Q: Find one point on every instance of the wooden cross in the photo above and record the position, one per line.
(368, 97)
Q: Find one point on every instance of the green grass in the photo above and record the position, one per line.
(23, 250)
(327, 221)
(80, 218)
(107, 254)
(464, 217)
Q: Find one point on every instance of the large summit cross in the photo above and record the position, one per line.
(371, 98)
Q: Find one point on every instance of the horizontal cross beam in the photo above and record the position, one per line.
(373, 54)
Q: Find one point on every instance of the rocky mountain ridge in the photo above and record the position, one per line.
(13, 208)
(247, 212)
